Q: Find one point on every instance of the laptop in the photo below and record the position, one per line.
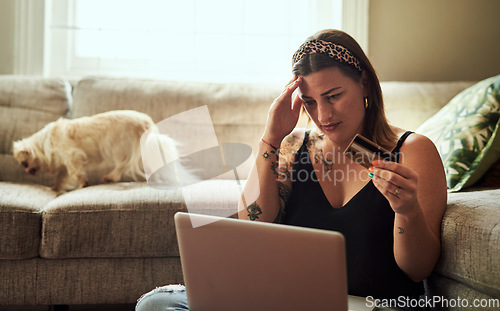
(237, 265)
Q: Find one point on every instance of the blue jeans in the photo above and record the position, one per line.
(165, 298)
(173, 298)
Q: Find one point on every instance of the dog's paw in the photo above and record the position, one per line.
(82, 181)
(57, 189)
(108, 178)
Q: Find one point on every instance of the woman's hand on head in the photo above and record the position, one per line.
(284, 113)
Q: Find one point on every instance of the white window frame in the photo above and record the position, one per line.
(29, 37)
(32, 17)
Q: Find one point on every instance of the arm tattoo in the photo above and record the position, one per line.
(274, 168)
(284, 191)
(280, 167)
(401, 230)
(266, 155)
(279, 217)
(254, 211)
(274, 163)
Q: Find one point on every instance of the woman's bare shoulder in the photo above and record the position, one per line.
(417, 150)
(419, 145)
(414, 142)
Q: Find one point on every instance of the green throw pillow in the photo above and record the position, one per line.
(465, 132)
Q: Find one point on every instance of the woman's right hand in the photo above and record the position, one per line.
(283, 114)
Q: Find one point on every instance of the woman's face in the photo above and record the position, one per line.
(335, 103)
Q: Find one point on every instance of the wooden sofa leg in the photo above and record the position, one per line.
(59, 308)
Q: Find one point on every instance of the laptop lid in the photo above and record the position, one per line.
(231, 264)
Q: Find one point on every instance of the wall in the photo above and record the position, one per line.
(7, 22)
(409, 40)
(435, 40)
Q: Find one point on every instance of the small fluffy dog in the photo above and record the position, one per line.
(67, 148)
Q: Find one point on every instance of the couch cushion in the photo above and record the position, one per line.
(409, 104)
(466, 134)
(11, 171)
(20, 219)
(27, 104)
(18, 285)
(102, 280)
(126, 219)
(439, 288)
(41, 281)
(471, 240)
(239, 112)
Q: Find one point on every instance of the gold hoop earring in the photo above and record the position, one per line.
(366, 102)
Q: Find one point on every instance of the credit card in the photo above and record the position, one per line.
(363, 151)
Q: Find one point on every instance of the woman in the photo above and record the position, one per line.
(390, 214)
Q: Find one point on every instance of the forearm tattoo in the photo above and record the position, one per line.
(266, 155)
(283, 191)
(274, 162)
(401, 230)
(280, 165)
(254, 211)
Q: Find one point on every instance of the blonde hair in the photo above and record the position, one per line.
(376, 126)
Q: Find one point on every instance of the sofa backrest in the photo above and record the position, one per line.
(27, 104)
(238, 111)
(409, 104)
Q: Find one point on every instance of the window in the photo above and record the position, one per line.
(202, 40)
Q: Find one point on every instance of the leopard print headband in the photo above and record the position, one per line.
(335, 51)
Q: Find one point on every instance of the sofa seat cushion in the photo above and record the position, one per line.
(20, 219)
(439, 287)
(470, 237)
(127, 219)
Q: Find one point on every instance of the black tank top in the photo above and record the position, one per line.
(366, 222)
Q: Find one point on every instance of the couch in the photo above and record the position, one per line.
(110, 243)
